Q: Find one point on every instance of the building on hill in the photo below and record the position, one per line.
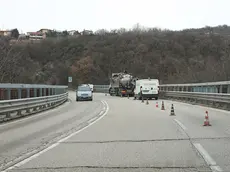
(36, 35)
(23, 37)
(44, 31)
(13, 33)
(73, 33)
(87, 32)
(5, 33)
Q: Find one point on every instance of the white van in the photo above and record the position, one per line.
(146, 88)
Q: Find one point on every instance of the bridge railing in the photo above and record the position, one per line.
(207, 87)
(214, 94)
(101, 88)
(18, 100)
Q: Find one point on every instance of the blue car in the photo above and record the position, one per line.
(84, 93)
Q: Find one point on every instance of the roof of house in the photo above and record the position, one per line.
(33, 33)
(44, 29)
(5, 30)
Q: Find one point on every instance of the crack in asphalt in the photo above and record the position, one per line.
(116, 167)
(192, 144)
(147, 140)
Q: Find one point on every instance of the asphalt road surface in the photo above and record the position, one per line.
(118, 135)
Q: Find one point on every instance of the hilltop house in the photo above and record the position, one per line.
(13, 33)
(73, 33)
(87, 32)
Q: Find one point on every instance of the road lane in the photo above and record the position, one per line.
(215, 139)
(22, 138)
(132, 136)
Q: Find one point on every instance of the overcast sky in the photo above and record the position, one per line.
(31, 15)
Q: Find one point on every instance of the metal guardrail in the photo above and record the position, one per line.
(214, 94)
(215, 97)
(18, 91)
(11, 109)
(18, 100)
(217, 100)
(211, 87)
(101, 88)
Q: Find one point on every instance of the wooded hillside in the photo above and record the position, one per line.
(192, 55)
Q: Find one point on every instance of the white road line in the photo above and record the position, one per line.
(180, 124)
(207, 158)
(57, 143)
(95, 118)
(91, 120)
(216, 168)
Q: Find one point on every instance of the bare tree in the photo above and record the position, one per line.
(9, 68)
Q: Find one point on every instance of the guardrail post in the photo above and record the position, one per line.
(35, 95)
(186, 88)
(8, 93)
(28, 96)
(44, 94)
(40, 92)
(8, 115)
(228, 89)
(40, 95)
(35, 92)
(48, 104)
(19, 97)
(28, 92)
(221, 88)
(19, 93)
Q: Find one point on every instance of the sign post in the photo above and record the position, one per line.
(70, 81)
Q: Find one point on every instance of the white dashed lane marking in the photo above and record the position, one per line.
(212, 164)
(180, 124)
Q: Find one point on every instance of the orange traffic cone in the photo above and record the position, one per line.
(156, 104)
(206, 120)
(162, 106)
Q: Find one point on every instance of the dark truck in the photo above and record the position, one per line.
(122, 84)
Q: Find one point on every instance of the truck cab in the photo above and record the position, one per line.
(146, 89)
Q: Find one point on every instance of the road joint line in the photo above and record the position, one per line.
(58, 142)
(208, 159)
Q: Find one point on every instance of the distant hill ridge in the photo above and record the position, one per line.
(190, 55)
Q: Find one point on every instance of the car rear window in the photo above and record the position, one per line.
(84, 88)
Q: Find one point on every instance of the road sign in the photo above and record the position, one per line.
(70, 79)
